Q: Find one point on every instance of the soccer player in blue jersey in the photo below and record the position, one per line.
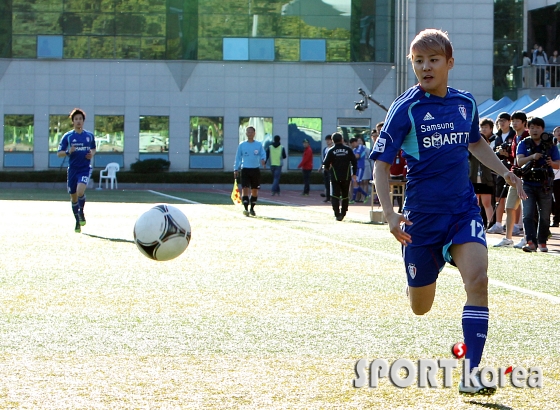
(436, 126)
(249, 158)
(79, 146)
(360, 152)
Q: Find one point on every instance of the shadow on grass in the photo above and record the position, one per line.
(490, 405)
(108, 239)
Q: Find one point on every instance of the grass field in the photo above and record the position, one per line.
(268, 312)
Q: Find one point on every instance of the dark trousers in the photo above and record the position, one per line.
(327, 182)
(306, 176)
(339, 196)
(538, 202)
(556, 205)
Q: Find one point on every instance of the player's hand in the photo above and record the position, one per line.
(89, 155)
(395, 221)
(72, 149)
(516, 182)
(536, 156)
(235, 174)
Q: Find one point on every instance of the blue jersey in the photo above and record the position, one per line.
(84, 142)
(249, 155)
(434, 134)
(527, 149)
(360, 152)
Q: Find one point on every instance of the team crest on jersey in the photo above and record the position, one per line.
(463, 111)
(380, 145)
(256, 152)
(412, 270)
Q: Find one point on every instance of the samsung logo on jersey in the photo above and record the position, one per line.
(436, 127)
(438, 140)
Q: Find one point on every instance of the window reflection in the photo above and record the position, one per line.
(207, 135)
(263, 129)
(300, 129)
(109, 133)
(58, 126)
(154, 134)
(18, 133)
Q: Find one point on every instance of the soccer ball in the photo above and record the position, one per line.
(162, 233)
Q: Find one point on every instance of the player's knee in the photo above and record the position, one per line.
(478, 284)
(420, 310)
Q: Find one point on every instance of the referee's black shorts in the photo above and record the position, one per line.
(251, 177)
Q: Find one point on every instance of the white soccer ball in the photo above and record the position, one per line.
(162, 233)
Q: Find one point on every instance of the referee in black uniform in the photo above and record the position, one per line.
(341, 162)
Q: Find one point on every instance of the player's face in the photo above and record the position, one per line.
(78, 122)
(556, 133)
(250, 132)
(503, 124)
(329, 143)
(432, 71)
(518, 125)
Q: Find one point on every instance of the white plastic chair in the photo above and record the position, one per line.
(109, 173)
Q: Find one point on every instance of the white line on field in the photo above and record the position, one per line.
(494, 282)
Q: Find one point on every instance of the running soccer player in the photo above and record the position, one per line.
(436, 126)
(359, 150)
(79, 146)
(249, 157)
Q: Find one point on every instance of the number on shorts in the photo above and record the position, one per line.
(474, 225)
(85, 180)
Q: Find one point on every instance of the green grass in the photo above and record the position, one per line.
(267, 312)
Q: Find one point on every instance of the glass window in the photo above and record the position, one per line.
(298, 130)
(127, 47)
(152, 48)
(372, 31)
(286, 49)
(154, 134)
(338, 50)
(76, 47)
(18, 133)
(236, 49)
(101, 47)
(261, 49)
(39, 5)
(58, 126)
(224, 25)
(36, 23)
(109, 133)
(24, 46)
(49, 46)
(263, 129)
(313, 50)
(354, 128)
(207, 135)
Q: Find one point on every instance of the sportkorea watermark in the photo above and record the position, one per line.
(423, 373)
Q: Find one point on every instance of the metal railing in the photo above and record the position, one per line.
(545, 75)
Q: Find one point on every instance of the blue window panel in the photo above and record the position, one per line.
(206, 162)
(55, 162)
(101, 160)
(143, 156)
(313, 50)
(18, 160)
(236, 48)
(49, 46)
(261, 49)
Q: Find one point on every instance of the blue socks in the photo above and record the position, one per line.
(355, 192)
(475, 329)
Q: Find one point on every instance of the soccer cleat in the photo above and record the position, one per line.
(479, 390)
(366, 198)
(505, 243)
(252, 213)
(82, 218)
(542, 247)
(351, 201)
(77, 228)
(521, 243)
(530, 247)
(496, 229)
(246, 213)
(340, 218)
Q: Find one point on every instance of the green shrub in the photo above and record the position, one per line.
(150, 166)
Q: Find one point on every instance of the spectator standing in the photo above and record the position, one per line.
(554, 62)
(481, 176)
(540, 59)
(556, 185)
(306, 166)
(503, 141)
(360, 153)
(326, 172)
(537, 184)
(276, 154)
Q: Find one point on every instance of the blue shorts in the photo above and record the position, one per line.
(360, 174)
(432, 235)
(77, 177)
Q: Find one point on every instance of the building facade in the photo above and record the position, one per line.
(182, 79)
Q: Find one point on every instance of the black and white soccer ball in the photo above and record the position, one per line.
(162, 233)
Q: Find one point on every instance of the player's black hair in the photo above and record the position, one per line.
(519, 115)
(337, 137)
(353, 140)
(539, 122)
(328, 137)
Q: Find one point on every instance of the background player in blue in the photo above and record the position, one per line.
(436, 127)
(79, 146)
(360, 153)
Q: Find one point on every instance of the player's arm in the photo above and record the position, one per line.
(91, 153)
(237, 162)
(383, 193)
(263, 157)
(63, 149)
(484, 153)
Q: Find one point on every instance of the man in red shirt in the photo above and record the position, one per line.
(306, 166)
